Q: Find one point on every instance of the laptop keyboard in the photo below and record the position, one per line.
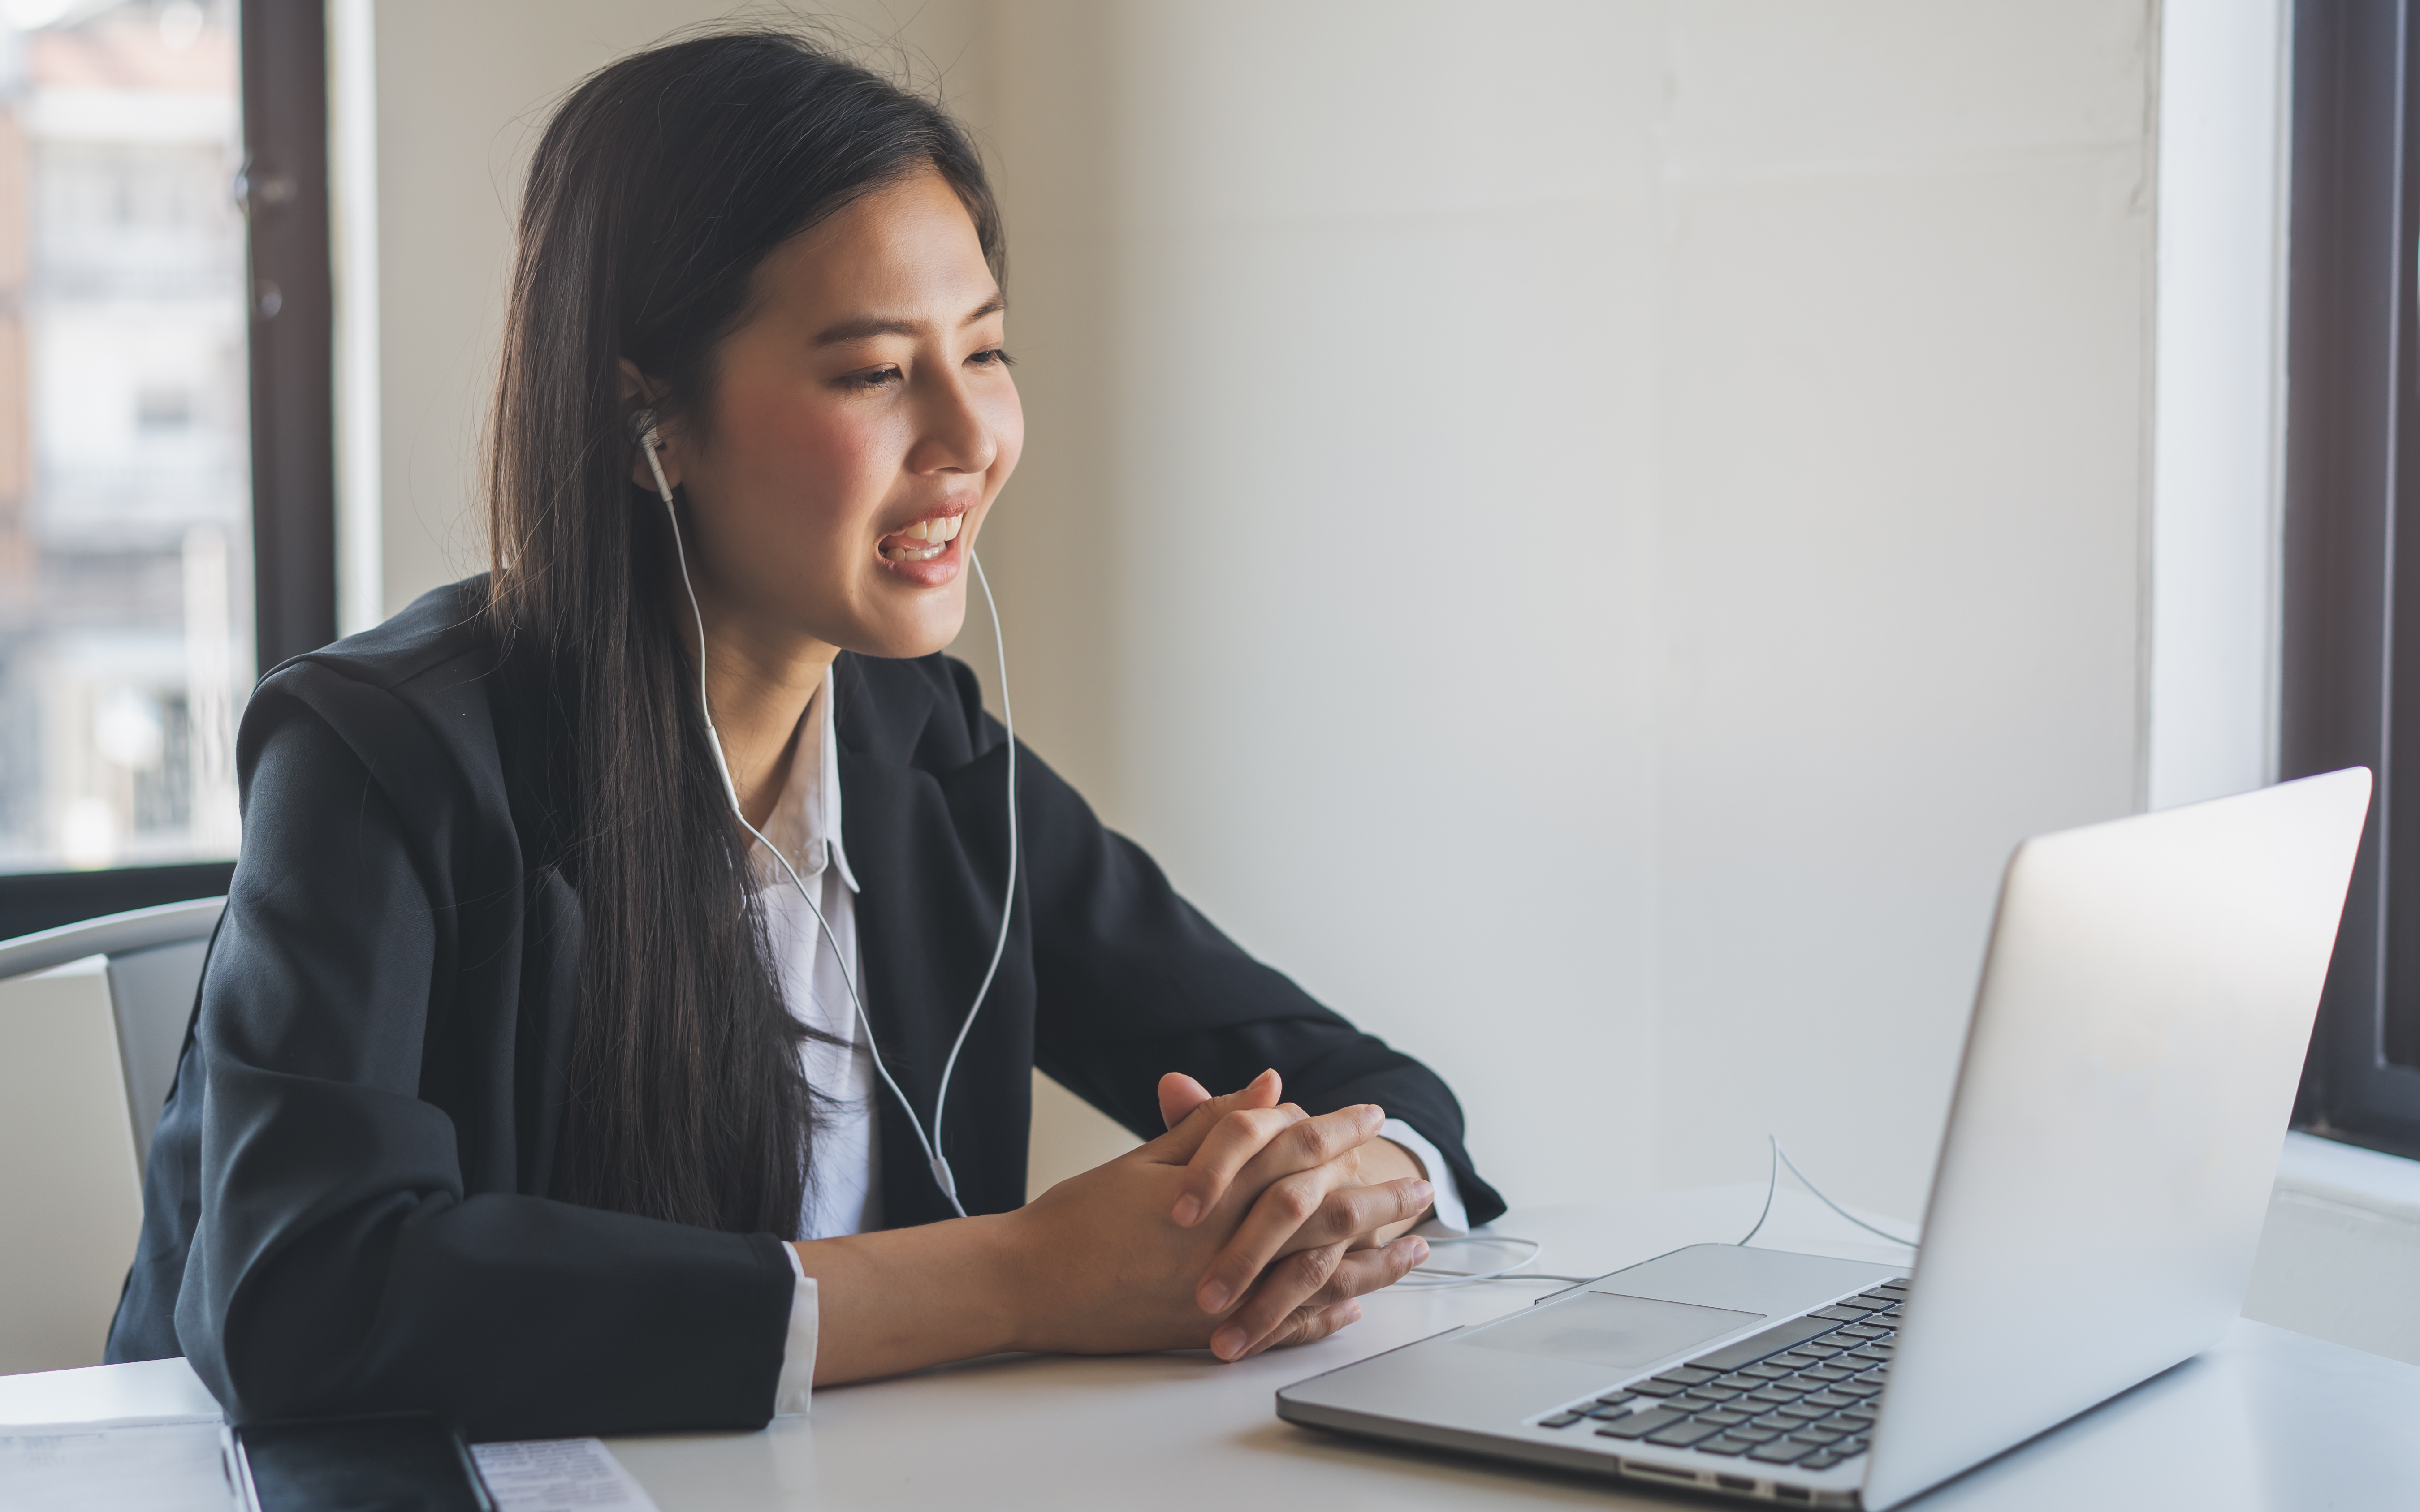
(1800, 1394)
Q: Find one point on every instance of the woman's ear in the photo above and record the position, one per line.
(637, 395)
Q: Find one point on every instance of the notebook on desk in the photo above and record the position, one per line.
(2130, 1066)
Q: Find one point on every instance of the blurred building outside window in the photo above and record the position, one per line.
(125, 538)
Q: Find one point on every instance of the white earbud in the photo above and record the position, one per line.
(643, 425)
(651, 442)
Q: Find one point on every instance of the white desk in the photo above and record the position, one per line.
(2267, 1420)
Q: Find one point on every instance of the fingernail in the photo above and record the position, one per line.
(1214, 1298)
(1227, 1343)
(1419, 1249)
(1372, 1114)
(1353, 1314)
(1421, 1193)
(1188, 1210)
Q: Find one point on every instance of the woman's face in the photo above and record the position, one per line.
(861, 422)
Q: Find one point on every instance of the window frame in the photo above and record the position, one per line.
(282, 82)
(2349, 599)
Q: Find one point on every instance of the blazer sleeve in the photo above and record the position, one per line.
(1132, 982)
(337, 1265)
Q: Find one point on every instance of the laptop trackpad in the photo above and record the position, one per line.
(1609, 1328)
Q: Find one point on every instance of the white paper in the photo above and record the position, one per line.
(153, 1467)
(558, 1475)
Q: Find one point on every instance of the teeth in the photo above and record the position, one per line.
(937, 532)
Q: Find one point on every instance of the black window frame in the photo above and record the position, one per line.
(2350, 632)
(281, 48)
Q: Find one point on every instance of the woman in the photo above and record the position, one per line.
(534, 1028)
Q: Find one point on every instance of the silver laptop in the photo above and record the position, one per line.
(2130, 1068)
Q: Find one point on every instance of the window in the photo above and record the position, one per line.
(165, 521)
(2352, 590)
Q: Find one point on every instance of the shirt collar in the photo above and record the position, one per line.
(805, 823)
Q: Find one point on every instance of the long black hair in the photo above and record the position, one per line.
(660, 184)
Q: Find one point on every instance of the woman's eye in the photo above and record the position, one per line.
(878, 377)
(993, 357)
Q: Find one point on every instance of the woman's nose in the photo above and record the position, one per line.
(958, 436)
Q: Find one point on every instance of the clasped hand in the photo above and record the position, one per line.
(1249, 1225)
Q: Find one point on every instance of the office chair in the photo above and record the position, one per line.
(85, 1059)
(155, 962)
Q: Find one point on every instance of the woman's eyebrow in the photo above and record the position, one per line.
(875, 325)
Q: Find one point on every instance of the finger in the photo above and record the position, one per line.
(1277, 1174)
(1313, 1278)
(1363, 1272)
(1177, 1146)
(1345, 1213)
(1310, 1325)
(1255, 1154)
(1356, 1214)
(1304, 1211)
(1287, 1286)
(1227, 1149)
(1316, 1142)
(1179, 1095)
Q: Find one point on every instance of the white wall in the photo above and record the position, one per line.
(1606, 523)
(1583, 530)
(1899, 531)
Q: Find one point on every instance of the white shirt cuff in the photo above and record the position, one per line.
(1450, 1216)
(795, 1390)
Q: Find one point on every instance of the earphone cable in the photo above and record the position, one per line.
(730, 791)
(1008, 894)
(1424, 1278)
(1773, 1179)
(942, 1174)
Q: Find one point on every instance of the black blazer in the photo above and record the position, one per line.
(347, 1208)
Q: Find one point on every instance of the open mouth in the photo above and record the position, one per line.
(923, 541)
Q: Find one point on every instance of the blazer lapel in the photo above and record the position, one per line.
(926, 923)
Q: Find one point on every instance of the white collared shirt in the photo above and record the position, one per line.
(844, 1177)
(845, 1174)
(843, 1193)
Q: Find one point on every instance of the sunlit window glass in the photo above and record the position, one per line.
(125, 542)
